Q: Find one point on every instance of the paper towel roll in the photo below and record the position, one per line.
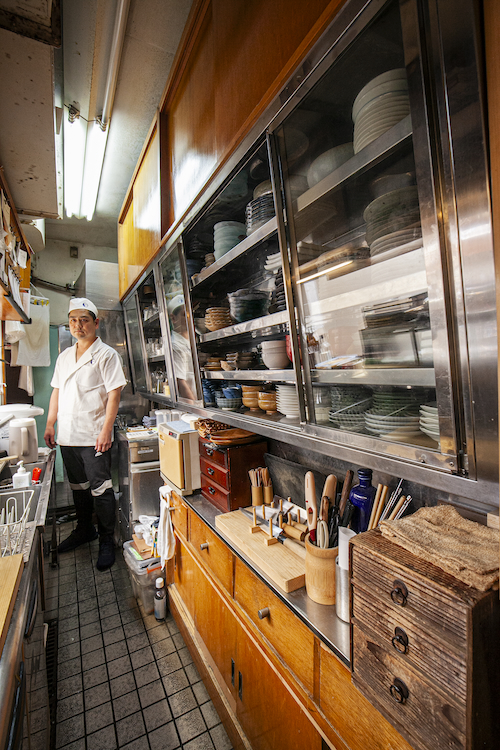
(344, 536)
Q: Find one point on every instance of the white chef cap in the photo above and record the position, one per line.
(82, 303)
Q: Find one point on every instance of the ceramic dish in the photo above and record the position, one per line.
(328, 162)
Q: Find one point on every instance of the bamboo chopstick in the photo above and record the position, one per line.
(397, 508)
(383, 497)
(375, 506)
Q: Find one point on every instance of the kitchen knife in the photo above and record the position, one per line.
(330, 489)
(311, 507)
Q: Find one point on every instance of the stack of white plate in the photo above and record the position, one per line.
(429, 420)
(393, 427)
(227, 234)
(259, 211)
(273, 262)
(328, 162)
(349, 404)
(287, 401)
(393, 220)
(380, 105)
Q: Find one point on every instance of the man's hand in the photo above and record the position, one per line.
(104, 440)
(50, 437)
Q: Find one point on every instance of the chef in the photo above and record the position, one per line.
(87, 383)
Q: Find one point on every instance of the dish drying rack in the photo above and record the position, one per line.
(14, 516)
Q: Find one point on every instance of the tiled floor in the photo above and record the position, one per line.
(124, 680)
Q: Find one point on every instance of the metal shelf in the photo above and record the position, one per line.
(157, 358)
(367, 157)
(275, 376)
(261, 234)
(248, 326)
(397, 376)
(152, 319)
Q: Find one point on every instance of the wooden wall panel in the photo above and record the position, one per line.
(191, 116)
(147, 204)
(125, 248)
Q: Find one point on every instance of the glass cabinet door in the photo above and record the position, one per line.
(135, 344)
(366, 273)
(179, 330)
(153, 339)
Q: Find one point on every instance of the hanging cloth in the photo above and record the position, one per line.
(34, 348)
(166, 540)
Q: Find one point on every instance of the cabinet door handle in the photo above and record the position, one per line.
(399, 691)
(400, 641)
(263, 613)
(240, 686)
(210, 471)
(232, 672)
(399, 593)
(209, 452)
(204, 546)
(211, 490)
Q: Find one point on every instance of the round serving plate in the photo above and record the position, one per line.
(328, 162)
(384, 105)
(396, 86)
(404, 197)
(389, 75)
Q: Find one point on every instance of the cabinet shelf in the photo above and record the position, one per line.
(153, 320)
(157, 358)
(248, 326)
(368, 157)
(395, 376)
(261, 234)
(276, 376)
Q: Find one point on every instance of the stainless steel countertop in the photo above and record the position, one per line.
(319, 618)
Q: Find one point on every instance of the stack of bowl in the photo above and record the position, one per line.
(287, 401)
(193, 266)
(209, 259)
(227, 234)
(261, 208)
(328, 162)
(380, 105)
(216, 318)
(209, 390)
(247, 304)
(229, 403)
(241, 360)
(250, 396)
(274, 354)
(267, 401)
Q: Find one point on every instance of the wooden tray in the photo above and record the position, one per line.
(285, 568)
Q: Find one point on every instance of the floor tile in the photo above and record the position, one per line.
(96, 695)
(203, 742)
(99, 717)
(177, 681)
(104, 739)
(152, 693)
(122, 685)
(134, 628)
(94, 659)
(130, 728)
(163, 648)
(70, 730)
(164, 738)
(69, 686)
(220, 739)
(157, 715)
(65, 637)
(137, 642)
(95, 676)
(69, 668)
(91, 644)
(112, 636)
(190, 725)
(210, 715)
(201, 693)
(146, 674)
(126, 704)
(68, 707)
(141, 657)
(71, 651)
(169, 664)
(120, 666)
(182, 702)
(192, 674)
(115, 650)
(110, 623)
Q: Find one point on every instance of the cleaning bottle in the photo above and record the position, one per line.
(160, 599)
(22, 477)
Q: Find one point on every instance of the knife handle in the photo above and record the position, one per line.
(346, 488)
(330, 488)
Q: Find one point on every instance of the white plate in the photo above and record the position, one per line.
(380, 111)
(373, 124)
(389, 75)
(406, 196)
(328, 162)
(383, 104)
(397, 85)
(429, 409)
(395, 251)
(388, 241)
(364, 142)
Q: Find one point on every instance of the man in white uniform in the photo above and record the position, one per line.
(181, 349)
(87, 382)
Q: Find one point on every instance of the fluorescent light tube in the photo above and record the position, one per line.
(94, 158)
(74, 155)
(325, 270)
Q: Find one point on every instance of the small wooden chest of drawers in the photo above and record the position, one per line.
(425, 648)
(224, 472)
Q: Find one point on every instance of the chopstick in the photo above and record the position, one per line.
(260, 477)
(375, 507)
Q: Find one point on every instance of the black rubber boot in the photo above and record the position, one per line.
(106, 553)
(80, 535)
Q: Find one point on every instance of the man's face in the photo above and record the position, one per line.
(82, 325)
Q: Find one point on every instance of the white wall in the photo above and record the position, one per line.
(55, 264)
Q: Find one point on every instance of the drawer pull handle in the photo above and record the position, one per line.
(211, 490)
(400, 641)
(399, 593)
(210, 471)
(263, 613)
(399, 691)
(209, 452)
(204, 546)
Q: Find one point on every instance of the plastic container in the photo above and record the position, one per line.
(143, 575)
(160, 599)
(21, 478)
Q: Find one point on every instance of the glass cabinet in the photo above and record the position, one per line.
(146, 340)
(368, 280)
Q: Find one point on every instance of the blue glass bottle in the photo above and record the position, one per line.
(362, 496)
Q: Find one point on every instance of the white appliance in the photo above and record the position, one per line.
(23, 440)
(8, 412)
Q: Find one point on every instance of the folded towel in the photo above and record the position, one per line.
(166, 539)
(14, 331)
(34, 348)
(465, 549)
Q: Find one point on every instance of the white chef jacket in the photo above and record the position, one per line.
(83, 389)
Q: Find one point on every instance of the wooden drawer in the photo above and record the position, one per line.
(415, 645)
(212, 454)
(425, 603)
(424, 715)
(293, 641)
(215, 494)
(215, 473)
(355, 719)
(211, 550)
(180, 515)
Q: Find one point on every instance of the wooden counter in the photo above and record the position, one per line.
(274, 664)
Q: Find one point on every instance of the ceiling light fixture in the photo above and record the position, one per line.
(85, 144)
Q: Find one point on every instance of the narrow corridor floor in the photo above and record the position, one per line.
(124, 680)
